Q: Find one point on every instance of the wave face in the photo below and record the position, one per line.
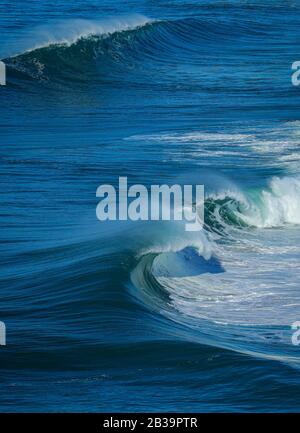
(122, 312)
(210, 287)
(70, 50)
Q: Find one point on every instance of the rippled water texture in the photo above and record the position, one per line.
(145, 316)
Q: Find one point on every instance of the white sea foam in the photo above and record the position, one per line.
(278, 205)
(191, 136)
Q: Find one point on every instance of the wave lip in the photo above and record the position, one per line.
(71, 31)
(75, 51)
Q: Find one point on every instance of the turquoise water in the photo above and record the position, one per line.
(144, 316)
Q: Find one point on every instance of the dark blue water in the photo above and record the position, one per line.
(142, 316)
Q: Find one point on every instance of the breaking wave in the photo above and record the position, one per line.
(224, 285)
(79, 49)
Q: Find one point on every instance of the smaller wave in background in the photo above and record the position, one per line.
(71, 48)
(69, 32)
(67, 50)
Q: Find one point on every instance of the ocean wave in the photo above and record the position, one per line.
(229, 213)
(69, 32)
(232, 297)
(75, 46)
(69, 48)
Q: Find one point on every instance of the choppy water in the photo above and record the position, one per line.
(143, 316)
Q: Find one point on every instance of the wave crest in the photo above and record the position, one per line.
(274, 206)
(68, 50)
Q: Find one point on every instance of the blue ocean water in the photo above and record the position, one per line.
(138, 316)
